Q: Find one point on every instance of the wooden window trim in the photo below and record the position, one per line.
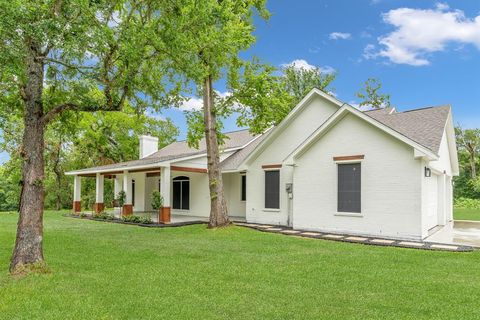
(271, 166)
(349, 158)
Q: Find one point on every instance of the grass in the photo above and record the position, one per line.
(111, 271)
(466, 214)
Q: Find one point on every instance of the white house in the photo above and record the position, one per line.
(326, 167)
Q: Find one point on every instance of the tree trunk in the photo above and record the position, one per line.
(58, 176)
(472, 165)
(28, 244)
(218, 206)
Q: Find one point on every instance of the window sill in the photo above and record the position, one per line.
(349, 214)
(270, 210)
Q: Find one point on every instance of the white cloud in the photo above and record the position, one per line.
(191, 104)
(327, 70)
(299, 64)
(420, 32)
(369, 52)
(303, 64)
(340, 36)
(442, 6)
(195, 104)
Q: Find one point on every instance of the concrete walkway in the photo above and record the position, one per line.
(359, 239)
(460, 232)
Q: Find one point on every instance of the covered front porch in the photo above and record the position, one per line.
(184, 190)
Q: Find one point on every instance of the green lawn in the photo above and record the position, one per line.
(466, 214)
(111, 271)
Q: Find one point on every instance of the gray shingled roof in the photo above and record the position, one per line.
(177, 150)
(424, 126)
(235, 139)
(232, 162)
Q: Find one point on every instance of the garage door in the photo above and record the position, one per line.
(432, 201)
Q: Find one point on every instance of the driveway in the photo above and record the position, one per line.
(458, 232)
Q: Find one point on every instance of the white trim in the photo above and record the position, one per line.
(283, 124)
(155, 165)
(316, 135)
(348, 161)
(270, 210)
(271, 169)
(348, 214)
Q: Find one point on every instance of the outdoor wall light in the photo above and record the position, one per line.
(428, 172)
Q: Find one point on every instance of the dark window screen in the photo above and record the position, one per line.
(133, 193)
(272, 189)
(349, 187)
(244, 188)
(181, 193)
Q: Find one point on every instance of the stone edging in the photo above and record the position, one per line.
(410, 244)
(145, 225)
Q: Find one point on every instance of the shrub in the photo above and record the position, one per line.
(137, 219)
(104, 216)
(121, 198)
(146, 220)
(83, 215)
(132, 218)
(157, 200)
(466, 203)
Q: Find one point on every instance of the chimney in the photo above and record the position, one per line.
(148, 145)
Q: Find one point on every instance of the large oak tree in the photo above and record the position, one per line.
(203, 40)
(58, 56)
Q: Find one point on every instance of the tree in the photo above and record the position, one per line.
(264, 97)
(469, 140)
(59, 56)
(371, 96)
(204, 42)
(299, 81)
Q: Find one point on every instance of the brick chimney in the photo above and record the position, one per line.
(148, 145)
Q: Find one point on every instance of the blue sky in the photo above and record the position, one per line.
(424, 52)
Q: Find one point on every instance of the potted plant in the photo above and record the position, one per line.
(157, 204)
(121, 197)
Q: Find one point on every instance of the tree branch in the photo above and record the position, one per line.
(50, 115)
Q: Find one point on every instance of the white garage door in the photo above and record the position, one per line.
(431, 201)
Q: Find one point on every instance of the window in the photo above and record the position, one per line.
(349, 187)
(272, 189)
(244, 188)
(181, 193)
(133, 193)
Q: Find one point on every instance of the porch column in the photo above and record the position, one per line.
(99, 206)
(127, 187)
(117, 186)
(165, 192)
(77, 189)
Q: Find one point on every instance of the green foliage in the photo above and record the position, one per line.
(157, 200)
(103, 216)
(265, 275)
(264, 97)
(137, 219)
(466, 203)
(88, 200)
(10, 177)
(467, 184)
(204, 42)
(121, 198)
(299, 81)
(371, 96)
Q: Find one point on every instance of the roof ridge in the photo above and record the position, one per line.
(425, 108)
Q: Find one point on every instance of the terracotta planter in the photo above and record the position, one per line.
(164, 215)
